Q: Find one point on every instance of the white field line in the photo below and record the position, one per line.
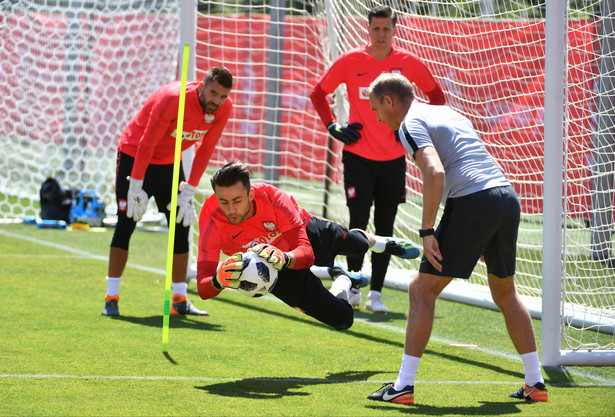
(87, 255)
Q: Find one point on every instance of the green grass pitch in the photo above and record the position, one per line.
(251, 357)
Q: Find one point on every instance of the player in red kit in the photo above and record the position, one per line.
(145, 169)
(374, 160)
(241, 216)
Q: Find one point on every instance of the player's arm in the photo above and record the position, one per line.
(436, 96)
(162, 115)
(302, 256)
(423, 78)
(205, 271)
(210, 244)
(137, 198)
(321, 104)
(429, 163)
(346, 133)
(226, 276)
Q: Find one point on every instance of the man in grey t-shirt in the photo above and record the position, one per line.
(481, 218)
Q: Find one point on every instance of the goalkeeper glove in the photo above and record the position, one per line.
(347, 133)
(229, 272)
(137, 200)
(272, 255)
(185, 204)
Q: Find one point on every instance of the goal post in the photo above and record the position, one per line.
(554, 320)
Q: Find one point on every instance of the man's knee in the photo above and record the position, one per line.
(123, 232)
(503, 291)
(426, 287)
(344, 323)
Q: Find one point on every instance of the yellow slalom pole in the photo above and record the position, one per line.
(173, 216)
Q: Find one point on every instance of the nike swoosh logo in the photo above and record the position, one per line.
(527, 394)
(237, 235)
(360, 74)
(387, 397)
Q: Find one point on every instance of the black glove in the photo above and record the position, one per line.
(347, 133)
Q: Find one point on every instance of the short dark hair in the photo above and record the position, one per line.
(230, 174)
(220, 74)
(391, 84)
(382, 11)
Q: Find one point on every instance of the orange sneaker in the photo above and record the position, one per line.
(537, 392)
(180, 306)
(111, 309)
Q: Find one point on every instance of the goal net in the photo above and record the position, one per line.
(72, 75)
(71, 78)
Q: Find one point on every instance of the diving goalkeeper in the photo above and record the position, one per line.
(240, 216)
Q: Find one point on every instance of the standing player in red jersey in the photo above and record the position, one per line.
(145, 168)
(374, 160)
(241, 216)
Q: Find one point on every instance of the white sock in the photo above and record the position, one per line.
(341, 287)
(531, 366)
(180, 288)
(380, 245)
(407, 372)
(321, 272)
(374, 294)
(113, 285)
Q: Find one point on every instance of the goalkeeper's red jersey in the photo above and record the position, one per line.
(357, 69)
(150, 135)
(278, 220)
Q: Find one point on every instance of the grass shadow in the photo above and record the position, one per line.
(398, 345)
(380, 317)
(276, 388)
(486, 408)
(175, 322)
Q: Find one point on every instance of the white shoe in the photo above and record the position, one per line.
(355, 298)
(374, 303)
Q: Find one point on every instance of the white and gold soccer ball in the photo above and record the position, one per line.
(258, 278)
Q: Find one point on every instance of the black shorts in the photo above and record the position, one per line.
(330, 239)
(301, 289)
(157, 183)
(366, 180)
(484, 223)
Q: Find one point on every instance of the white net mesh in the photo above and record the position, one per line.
(588, 268)
(71, 80)
(72, 77)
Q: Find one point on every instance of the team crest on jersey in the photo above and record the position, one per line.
(209, 118)
(363, 93)
(269, 226)
(396, 71)
(122, 204)
(351, 192)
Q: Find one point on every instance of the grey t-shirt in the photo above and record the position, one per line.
(468, 166)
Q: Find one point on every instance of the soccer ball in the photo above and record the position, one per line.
(258, 278)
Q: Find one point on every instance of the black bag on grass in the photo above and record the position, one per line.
(55, 201)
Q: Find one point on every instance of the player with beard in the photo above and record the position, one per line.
(145, 168)
(241, 216)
